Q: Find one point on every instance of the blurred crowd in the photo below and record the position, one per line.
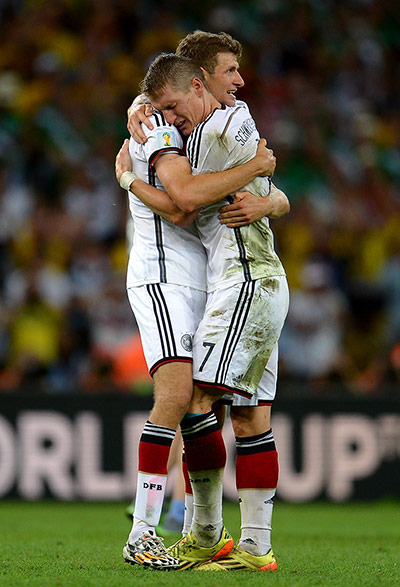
(323, 84)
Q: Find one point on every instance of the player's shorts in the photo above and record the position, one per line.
(167, 316)
(238, 334)
(266, 390)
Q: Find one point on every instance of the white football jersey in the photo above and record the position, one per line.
(227, 138)
(161, 252)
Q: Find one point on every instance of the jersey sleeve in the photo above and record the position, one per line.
(164, 138)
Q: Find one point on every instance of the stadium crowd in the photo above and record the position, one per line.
(323, 84)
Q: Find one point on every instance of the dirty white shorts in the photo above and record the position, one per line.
(238, 335)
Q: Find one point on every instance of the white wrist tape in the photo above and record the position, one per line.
(126, 179)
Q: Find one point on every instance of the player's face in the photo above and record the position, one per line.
(225, 80)
(182, 109)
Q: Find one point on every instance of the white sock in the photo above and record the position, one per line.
(148, 504)
(187, 520)
(207, 521)
(138, 528)
(256, 507)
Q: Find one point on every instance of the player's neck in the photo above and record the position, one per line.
(210, 104)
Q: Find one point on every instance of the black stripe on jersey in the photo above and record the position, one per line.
(152, 176)
(163, 320)
(235, 329)
(198, 141)
(242, 249)
(229, 121)
(159, 118)
(192, 144)
(242, 254)
(158, 230)
(195, 140)
(160, 247)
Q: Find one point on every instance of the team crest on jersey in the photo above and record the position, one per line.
(166, 139)
(186, 342)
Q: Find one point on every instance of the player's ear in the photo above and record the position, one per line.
(205, 73)
(197, 85)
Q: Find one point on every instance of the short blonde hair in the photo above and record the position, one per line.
(170, 69)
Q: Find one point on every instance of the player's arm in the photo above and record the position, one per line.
(248, 208)
(160, 203)
(192, 192)
(138, 113)
(157, 200)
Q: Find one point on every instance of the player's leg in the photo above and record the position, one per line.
(205, 456)
(166, 322)
(257, 458)
(224, 360)
(174, 518)
(187, 520)
(204, 446)
(216, 340)
(219, 410)
(256, 476)
(172, 393)
(257, 467)
(143, 546)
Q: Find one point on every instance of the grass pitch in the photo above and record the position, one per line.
(80, 544)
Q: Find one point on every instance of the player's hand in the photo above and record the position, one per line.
(123, 160)
(246, 209)
(137, 115)
(266, 158)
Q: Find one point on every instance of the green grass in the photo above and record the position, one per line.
(74, 544)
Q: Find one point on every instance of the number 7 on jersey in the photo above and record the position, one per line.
(210, 346)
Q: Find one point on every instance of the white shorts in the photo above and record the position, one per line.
(266, 390)
(238, 333)
(167, 316)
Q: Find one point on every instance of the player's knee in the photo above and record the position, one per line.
(242, 428)
(249, 421)
(202, 400)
